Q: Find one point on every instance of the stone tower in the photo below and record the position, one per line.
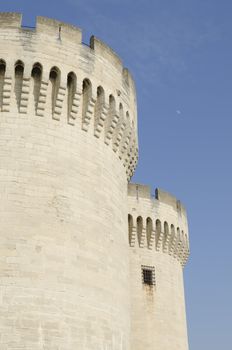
(86, 262)
(158, 237)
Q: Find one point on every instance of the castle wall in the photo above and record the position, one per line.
(70, 275)
(67, 150)
(158, 238)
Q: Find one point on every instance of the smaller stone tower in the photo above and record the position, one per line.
(159, 248)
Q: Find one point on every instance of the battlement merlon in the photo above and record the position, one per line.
(65, 32)
(166, 217)
(10, 20)
(44, 25)
(144, 191)
(159, 202)
(64, 41)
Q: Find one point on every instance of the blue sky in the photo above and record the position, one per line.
(180, 54)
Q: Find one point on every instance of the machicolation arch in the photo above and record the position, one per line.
(160, 236)
(111, 122)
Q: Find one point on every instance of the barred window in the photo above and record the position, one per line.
(148, 275)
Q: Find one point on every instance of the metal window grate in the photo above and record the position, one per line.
(148, 275)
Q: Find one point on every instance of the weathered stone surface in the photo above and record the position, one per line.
(158, 312)
(68, 146)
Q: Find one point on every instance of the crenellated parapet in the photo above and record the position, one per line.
(47, 71)
(157, 222)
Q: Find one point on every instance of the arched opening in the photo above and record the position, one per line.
(19, 69)
(172, 238)
(111, 110)
(182, 236)
(128, 121)
(178, 240)
(2, 68)
(157, 231)
(166, 228)
(110, 116)
(149, 228)
(183, 241)
(86, 96)
(54, 79)
(36, 75)
(139, 228)
(112, 105)
(99, 105)
(120, 110)
(36, 72)
(71, 90)
(2, 78)
(172, 230)
(166, 233)
(130, 227)
(119, 128)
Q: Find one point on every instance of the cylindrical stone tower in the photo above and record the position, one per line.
(68, 145)
(159, 248)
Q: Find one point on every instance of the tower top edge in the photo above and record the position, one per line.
(65, 33)
(144, 192)
(14, 20)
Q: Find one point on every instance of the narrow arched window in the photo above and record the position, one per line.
(119, 128)
(166, 234)
(112, 108)
(166, 228)
(86, 95)
(54, 79)
(182, 236)
(172, 238)
(178, 238)
(19, 69)
(110, 116)
(158, 226)
(139, 228)
(120, 110)
(157, 231)
(2, 68)
(130, 227)
(36, 75)
(128, 121)
(71, 90)
(112, 105)
(149, 228)
(2, 77)
(172, 230)
(99, 105)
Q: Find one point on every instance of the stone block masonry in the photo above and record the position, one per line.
(71, 269)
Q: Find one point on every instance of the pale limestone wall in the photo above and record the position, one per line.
(68, 146)
(158, 318)
(64, 167)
